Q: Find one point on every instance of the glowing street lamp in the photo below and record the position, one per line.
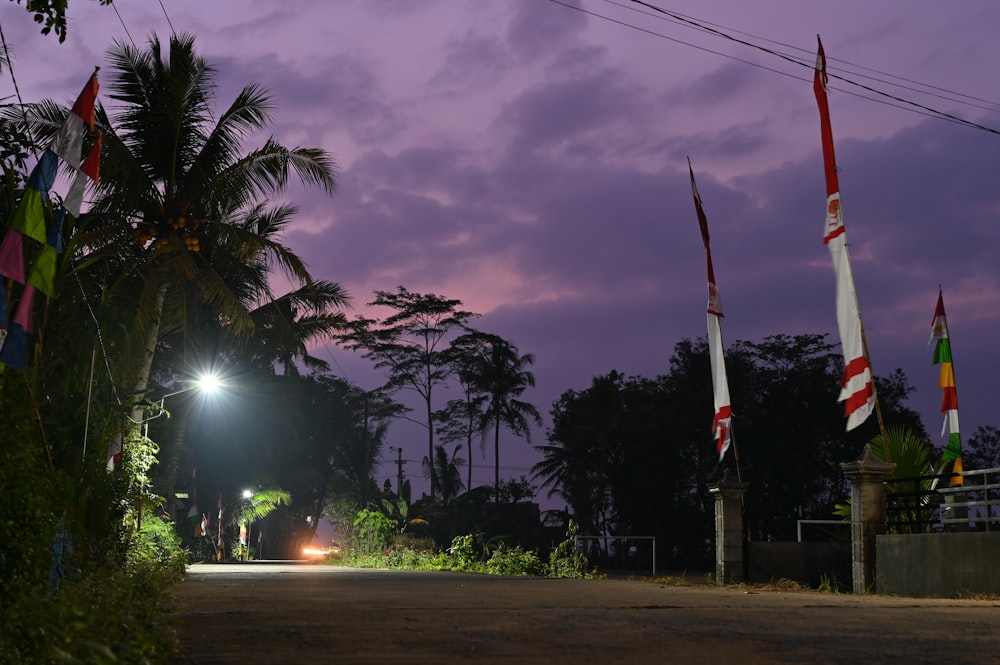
(207, 384)
(204, 383)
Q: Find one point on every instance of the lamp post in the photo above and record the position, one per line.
(245, 535)
(204, 383)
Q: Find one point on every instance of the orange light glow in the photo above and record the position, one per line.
(315, 551)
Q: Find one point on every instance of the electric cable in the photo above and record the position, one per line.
(882, 97)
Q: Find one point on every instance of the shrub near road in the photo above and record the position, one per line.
(373, 547)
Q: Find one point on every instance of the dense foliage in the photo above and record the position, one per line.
(373, 543)
(167, 273)
(633, 455)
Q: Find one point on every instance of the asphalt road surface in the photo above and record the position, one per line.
(289, 614)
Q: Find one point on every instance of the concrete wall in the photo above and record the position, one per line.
(942, 565)
(807, 563)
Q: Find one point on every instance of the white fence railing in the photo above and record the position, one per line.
(976, 502)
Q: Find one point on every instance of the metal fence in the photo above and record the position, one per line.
(618, 552)
(925, 504)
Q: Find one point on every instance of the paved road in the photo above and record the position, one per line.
(280, 613)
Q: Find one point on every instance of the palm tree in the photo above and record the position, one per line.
(180, 240)
(178, 215)
(503, 376)
(284, 326)
(462, 419)
(446, 471)
(255, 506)
(912, 512)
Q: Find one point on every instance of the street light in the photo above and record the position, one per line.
(205, 383)
(245, 533)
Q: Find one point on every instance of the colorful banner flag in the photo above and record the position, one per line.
(14, 353)
(24, 314)
(722, 430)
(29, 218)
(43, 272)
(4, 324)
(946, 381)
(90, 169)
(857, 390)
(68, 143)
(12, 256)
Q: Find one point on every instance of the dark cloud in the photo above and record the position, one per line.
(720, 86)
(529, 160)
(538, 29)
(337, 93)
(473, 61)
(577, 118)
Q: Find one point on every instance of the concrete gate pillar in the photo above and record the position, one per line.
(729, 559)
(868, 512)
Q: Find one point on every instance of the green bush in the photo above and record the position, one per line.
(104, 616)
(516, 561)
(463, 553)
(77, 584)
(566, 561)
(373, 532)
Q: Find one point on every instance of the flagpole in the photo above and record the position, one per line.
(950, 426)
(868, 359)
(722, 426)
(732, 433)
(878, 403)
(858, 380)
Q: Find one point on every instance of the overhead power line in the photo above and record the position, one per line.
(880, 96)
(924, 88)
(124, 27)
(172, 31)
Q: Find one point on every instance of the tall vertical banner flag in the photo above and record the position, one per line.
(946, 381)
(29, 220)
(856, 388)
(722, 423)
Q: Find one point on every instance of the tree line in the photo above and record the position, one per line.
(634, 455)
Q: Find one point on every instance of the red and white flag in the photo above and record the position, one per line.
(856, 388)
(115, 447)
(722, 429)
(68, 143)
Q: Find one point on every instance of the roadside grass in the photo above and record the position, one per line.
(465, 556)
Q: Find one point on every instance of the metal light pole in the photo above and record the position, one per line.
(204, 383)
(247, 494)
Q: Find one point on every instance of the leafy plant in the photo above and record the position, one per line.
(515, 561)
(566, 561)
(463, 553)
(373, 531)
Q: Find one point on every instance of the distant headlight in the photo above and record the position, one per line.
(313, 551)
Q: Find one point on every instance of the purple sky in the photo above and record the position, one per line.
(529, 159)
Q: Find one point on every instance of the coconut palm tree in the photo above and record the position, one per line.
(445, 469)
(462, 419)
(503, 375)
(179, 214)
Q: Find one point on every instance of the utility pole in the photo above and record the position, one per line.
(399, 471)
